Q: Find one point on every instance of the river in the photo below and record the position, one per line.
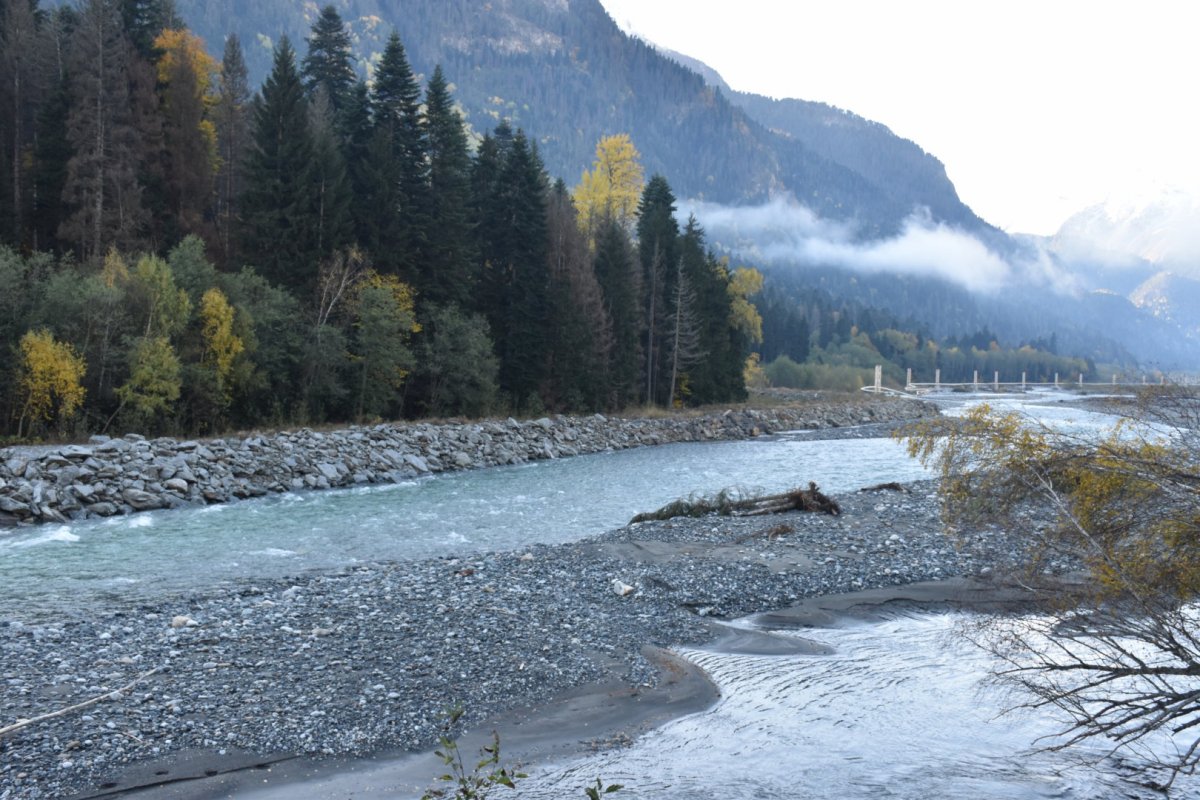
(54, 568)
(901, 709)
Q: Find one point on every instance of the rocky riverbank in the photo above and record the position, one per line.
(120, 476)
(366, 660)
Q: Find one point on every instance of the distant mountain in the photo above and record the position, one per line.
(1173, 299)
(899, 166)
(566, 73)
(1160, 231)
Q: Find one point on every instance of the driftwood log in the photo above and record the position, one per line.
(885, 487)
(25, 723)
(727, 504)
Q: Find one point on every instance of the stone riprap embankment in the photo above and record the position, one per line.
(120, 476)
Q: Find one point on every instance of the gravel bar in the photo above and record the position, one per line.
(367, 659)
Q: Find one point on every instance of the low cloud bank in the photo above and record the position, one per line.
(784, 232)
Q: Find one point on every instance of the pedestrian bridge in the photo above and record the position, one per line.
(1075, 382)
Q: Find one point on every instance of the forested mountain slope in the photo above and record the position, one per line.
(565, 73)
(896, 165)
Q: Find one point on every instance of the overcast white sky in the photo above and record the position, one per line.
(1038, 108)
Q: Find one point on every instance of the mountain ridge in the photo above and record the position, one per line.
(567, 74)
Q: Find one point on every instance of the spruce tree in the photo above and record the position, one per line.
(362, 172)
(447, 269)
(277, 230)
(329, 198)
(185, 74)
(329, 62)
(519, 307)
(717, 378)
(658, 249)
(143, 20)
(620, 278)
(52, 148)
(396, 101)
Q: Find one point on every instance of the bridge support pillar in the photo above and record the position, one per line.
(937, 379)
(1056, 380)
(908, 384)
(996, 381)
(1022, 381)
(878, 378)
(976, 386)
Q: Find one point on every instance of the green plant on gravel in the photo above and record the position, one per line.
(479, 782)
(487, 773)
(594, 792)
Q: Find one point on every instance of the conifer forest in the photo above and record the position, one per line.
(183, 253)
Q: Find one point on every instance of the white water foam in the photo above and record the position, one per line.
(60, 534)
(274, 552)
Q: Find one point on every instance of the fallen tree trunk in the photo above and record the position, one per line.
(726, 504)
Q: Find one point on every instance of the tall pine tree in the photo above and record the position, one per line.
(330, 188)
(515, 296)
(396, 100)
(277, 229)
(20, 97)
(658, 250)
(620, 277)
(329, 62)
(580, 337)
(448, 266)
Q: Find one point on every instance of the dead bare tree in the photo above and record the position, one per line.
(1122, 660)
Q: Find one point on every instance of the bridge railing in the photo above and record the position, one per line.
(997, 385)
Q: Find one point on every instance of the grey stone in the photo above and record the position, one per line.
(12, 505)
(140, 499)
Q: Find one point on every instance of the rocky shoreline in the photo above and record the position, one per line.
(366, 660)
(120, 476)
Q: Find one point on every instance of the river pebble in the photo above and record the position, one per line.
(365, 659)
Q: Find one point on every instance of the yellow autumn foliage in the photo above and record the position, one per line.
(51, 375)
(221, 345)
(613, 187)
(402, 293)
(181, 47)
(745, 282)
(1127, 503)
(183, 50)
